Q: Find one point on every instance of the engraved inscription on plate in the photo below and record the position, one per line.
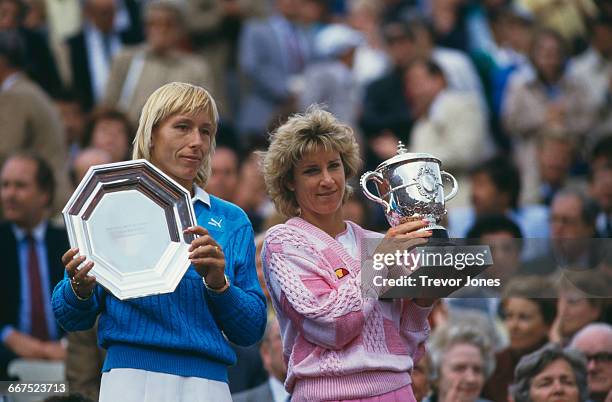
(122, 236)
(129, 217)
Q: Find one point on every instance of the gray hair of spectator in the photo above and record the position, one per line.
(589, 329)
(12, 48)
(533, 364)
(45, 179)
(169, 100)
(478, 320)
(457, 333)
(589, 208)
(173, 6)
(537, 289)
(302, 134)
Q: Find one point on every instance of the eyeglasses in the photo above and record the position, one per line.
(601, 358)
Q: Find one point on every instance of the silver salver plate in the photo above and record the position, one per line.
(128, 218)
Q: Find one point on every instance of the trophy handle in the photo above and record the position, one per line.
(455, 189)
(377, 177)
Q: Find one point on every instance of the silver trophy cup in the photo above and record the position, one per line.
(409, 187)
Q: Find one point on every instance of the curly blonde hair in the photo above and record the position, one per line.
(302, 134)
(169, 100)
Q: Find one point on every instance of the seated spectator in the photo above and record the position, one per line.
(450, 124)
(74, 119)
(28, 114)
(138, 71)
(271, 350)
(223, 181)
(593, 68)
(251, 194)
(545, 98)
(555, 155)
(572, 228)
(595, 343)
(551, 373)
(331, 81)
(386, 115)
(110, 131)
(271, 52)
(92, 49)
(504, 237)
(357, 210)
(582, 301)
(495, 188)
(86, 159)
(371, 60)
(31, 249)
(461, 361)
(528, 317)
(457, 66)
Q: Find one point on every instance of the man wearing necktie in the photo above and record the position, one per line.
(31, 250)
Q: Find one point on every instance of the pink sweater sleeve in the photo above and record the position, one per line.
(414, 327)
(329, 312)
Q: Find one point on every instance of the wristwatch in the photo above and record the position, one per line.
(218, 290)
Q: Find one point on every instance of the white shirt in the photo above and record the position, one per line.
(99, 66)
(348, 241)
(279, 394)
(9, 82)
(200, 194)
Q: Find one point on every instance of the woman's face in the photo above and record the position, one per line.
(461, 373)
(525, 324)
(110, 136)
(179, 145)
(556, 383)
(575, 312)
(318, 183)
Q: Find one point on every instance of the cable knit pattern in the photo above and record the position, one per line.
(183, 332)
(338, 345)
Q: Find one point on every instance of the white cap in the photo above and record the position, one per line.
(336, 39)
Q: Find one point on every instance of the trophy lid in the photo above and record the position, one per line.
(404, 156)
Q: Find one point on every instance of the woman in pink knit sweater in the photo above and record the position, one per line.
(338, 345)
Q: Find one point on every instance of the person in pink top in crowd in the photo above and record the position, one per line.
(338, 345)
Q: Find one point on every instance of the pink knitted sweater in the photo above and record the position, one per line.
(337, 345)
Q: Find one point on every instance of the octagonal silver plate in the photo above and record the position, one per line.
(128, 218)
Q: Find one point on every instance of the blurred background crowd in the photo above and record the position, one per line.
(514, 96)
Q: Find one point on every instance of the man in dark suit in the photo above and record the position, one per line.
(271, 52)
(31, 250)
(271, 350)
(94, 47)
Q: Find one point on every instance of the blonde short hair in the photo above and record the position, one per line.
(169, 100)
(302, 134)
